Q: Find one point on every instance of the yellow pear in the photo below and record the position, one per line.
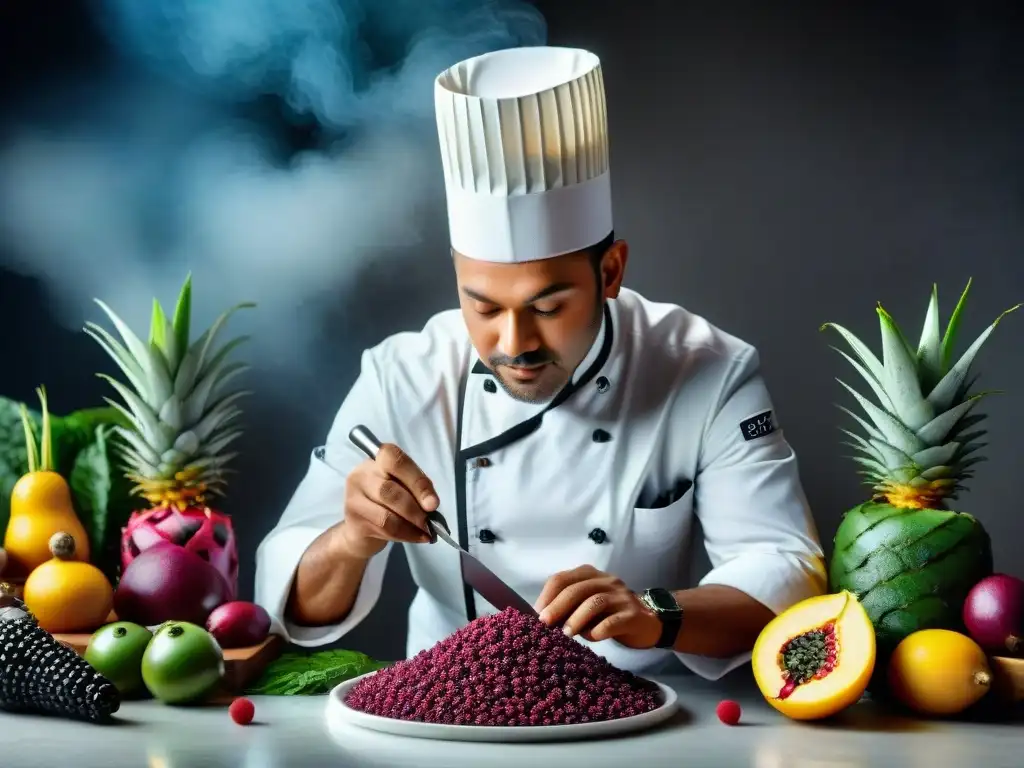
(40, 505)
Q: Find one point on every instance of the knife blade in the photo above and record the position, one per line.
(477, 575)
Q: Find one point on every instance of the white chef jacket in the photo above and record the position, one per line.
(667, 418)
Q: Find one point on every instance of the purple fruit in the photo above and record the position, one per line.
(994, 614)
(239, 624)
(169, 583)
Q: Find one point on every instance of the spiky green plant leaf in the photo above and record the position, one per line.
(929, 348)
(181, 326)
(901, 376)
(945, 392)
(181, 416)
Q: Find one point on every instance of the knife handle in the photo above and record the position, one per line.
(368, 443)
(365, 440)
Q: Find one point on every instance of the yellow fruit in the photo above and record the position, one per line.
(834, 629)
(939, 672)
(40, 505)
(67, 595)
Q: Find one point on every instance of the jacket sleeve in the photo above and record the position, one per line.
(758, 528)
(316, 505)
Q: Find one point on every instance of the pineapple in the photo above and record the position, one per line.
(908, 557)
(181, 424)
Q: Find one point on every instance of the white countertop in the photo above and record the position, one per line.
(291, 731)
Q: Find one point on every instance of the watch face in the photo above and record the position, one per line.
(663, 600)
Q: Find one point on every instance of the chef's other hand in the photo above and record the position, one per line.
(597, 606)
(386, 499)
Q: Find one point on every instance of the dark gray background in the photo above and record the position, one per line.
(775, 167)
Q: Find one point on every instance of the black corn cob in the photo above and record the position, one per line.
(40, 675)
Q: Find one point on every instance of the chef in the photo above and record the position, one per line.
(571, 431)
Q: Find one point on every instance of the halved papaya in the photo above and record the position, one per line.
(816, 658)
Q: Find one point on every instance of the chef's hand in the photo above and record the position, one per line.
(386, 499)
(597, 606)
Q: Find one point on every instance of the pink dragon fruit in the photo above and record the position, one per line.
(201, 530)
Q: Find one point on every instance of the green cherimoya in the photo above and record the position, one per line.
(909, 558)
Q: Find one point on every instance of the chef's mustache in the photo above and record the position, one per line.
(525, 360)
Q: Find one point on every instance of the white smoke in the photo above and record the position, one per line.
(122, 194)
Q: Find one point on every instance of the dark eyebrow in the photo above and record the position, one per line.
(551, 289)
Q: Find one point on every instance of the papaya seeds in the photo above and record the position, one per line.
(811, 655)
(816, 658)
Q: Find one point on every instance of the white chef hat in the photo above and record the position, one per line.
(524, 146)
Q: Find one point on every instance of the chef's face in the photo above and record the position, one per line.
(533, 323)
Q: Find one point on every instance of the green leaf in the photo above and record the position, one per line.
(158, 385)
(877, 470)
(311, 674)
(158, 327)
(78, 428)
(875, 385)
(860, 349)
(964, 424)
(936, 473)
(939, 428)
(893, 458)
(862, 445)
(90, 481)
(182, 318)
(929, 348)
(163, 339)
(128, 364)
(103, 498)
(936, 455)
(945, 392)
(159, 436)
(31, 454)
(893, 430)
(205, 342)
(868, 429)
(949, 337)
(901, 382)
(218, 375)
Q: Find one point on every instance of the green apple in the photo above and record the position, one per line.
(182, 663)
(115, 651)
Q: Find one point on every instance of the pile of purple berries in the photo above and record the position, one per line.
(507, 669)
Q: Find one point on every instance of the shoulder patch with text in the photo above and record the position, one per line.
(757, 426)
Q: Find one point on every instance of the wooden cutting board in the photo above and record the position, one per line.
(1008, 678)
(242, 666)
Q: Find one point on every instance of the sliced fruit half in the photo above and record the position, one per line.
(816, 658)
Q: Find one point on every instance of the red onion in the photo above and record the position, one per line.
(994, 614)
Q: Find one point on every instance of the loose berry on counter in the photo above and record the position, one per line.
(728, 712)
(242, 711)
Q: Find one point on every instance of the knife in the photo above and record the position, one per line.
(477, 575)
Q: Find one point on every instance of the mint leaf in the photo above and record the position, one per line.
(312, 674)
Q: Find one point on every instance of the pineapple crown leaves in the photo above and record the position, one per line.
(916, 433)
(179, 416)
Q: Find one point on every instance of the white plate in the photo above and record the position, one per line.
(340, 714)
